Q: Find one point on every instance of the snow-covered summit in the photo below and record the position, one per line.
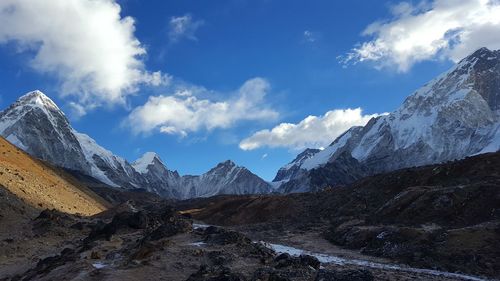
(149, 158)
(37, 98)
(37, 125)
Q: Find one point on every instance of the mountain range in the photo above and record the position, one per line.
(35, 124)
(453, 116)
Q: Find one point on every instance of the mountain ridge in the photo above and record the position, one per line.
(35, 124)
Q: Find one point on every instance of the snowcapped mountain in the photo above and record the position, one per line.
(228, 178)
(453, 116)
(292, 169)
(225, 178)
(35, 124)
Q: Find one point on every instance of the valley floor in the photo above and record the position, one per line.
(177, 257)
(312, 241)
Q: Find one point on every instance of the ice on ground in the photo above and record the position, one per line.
(99, 265)
(324, 258)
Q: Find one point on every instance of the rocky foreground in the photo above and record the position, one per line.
(154, 242)
(439, 222)
(151, 242)
(443, 217)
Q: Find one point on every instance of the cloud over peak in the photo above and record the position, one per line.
(445, 29)
(86, 44)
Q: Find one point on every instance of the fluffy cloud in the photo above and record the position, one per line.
(183, 27)
(313, 131)
(85, 43)
(183, 112)
(446, 29)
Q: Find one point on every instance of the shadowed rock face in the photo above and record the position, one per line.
(453, 116)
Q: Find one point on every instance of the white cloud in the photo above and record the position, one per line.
(446, 29)
(183, 27)
(183, 112)
(87, 44)
(309, 36)
(313, 131)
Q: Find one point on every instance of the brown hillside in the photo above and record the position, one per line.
(44, 187)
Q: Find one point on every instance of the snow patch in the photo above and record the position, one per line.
(99, 265)
(198, 244)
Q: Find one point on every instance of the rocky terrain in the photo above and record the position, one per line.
(441, 216)
(136, 241)
(266, 237)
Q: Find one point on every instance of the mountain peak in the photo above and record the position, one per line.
(228, 163)
(148, 158)
(483, 53)
(37, 98)
(480, 60)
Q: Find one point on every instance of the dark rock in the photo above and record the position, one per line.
(170, 229)
(46, 265)
(49, 220)
(221, 236)
(269, 274)
(218, 258)
(144, 251)
(309, 261)
(217, 273)
(95, 255)
(123, 220)
(286, 260)
(344, 275)
(78, 226)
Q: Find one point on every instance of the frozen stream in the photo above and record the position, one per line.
(323, 258)
(331, 259)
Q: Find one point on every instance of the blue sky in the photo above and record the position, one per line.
(235, 67)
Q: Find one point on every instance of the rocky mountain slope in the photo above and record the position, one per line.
(41, 186)
(35, 124)
(453, 116)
